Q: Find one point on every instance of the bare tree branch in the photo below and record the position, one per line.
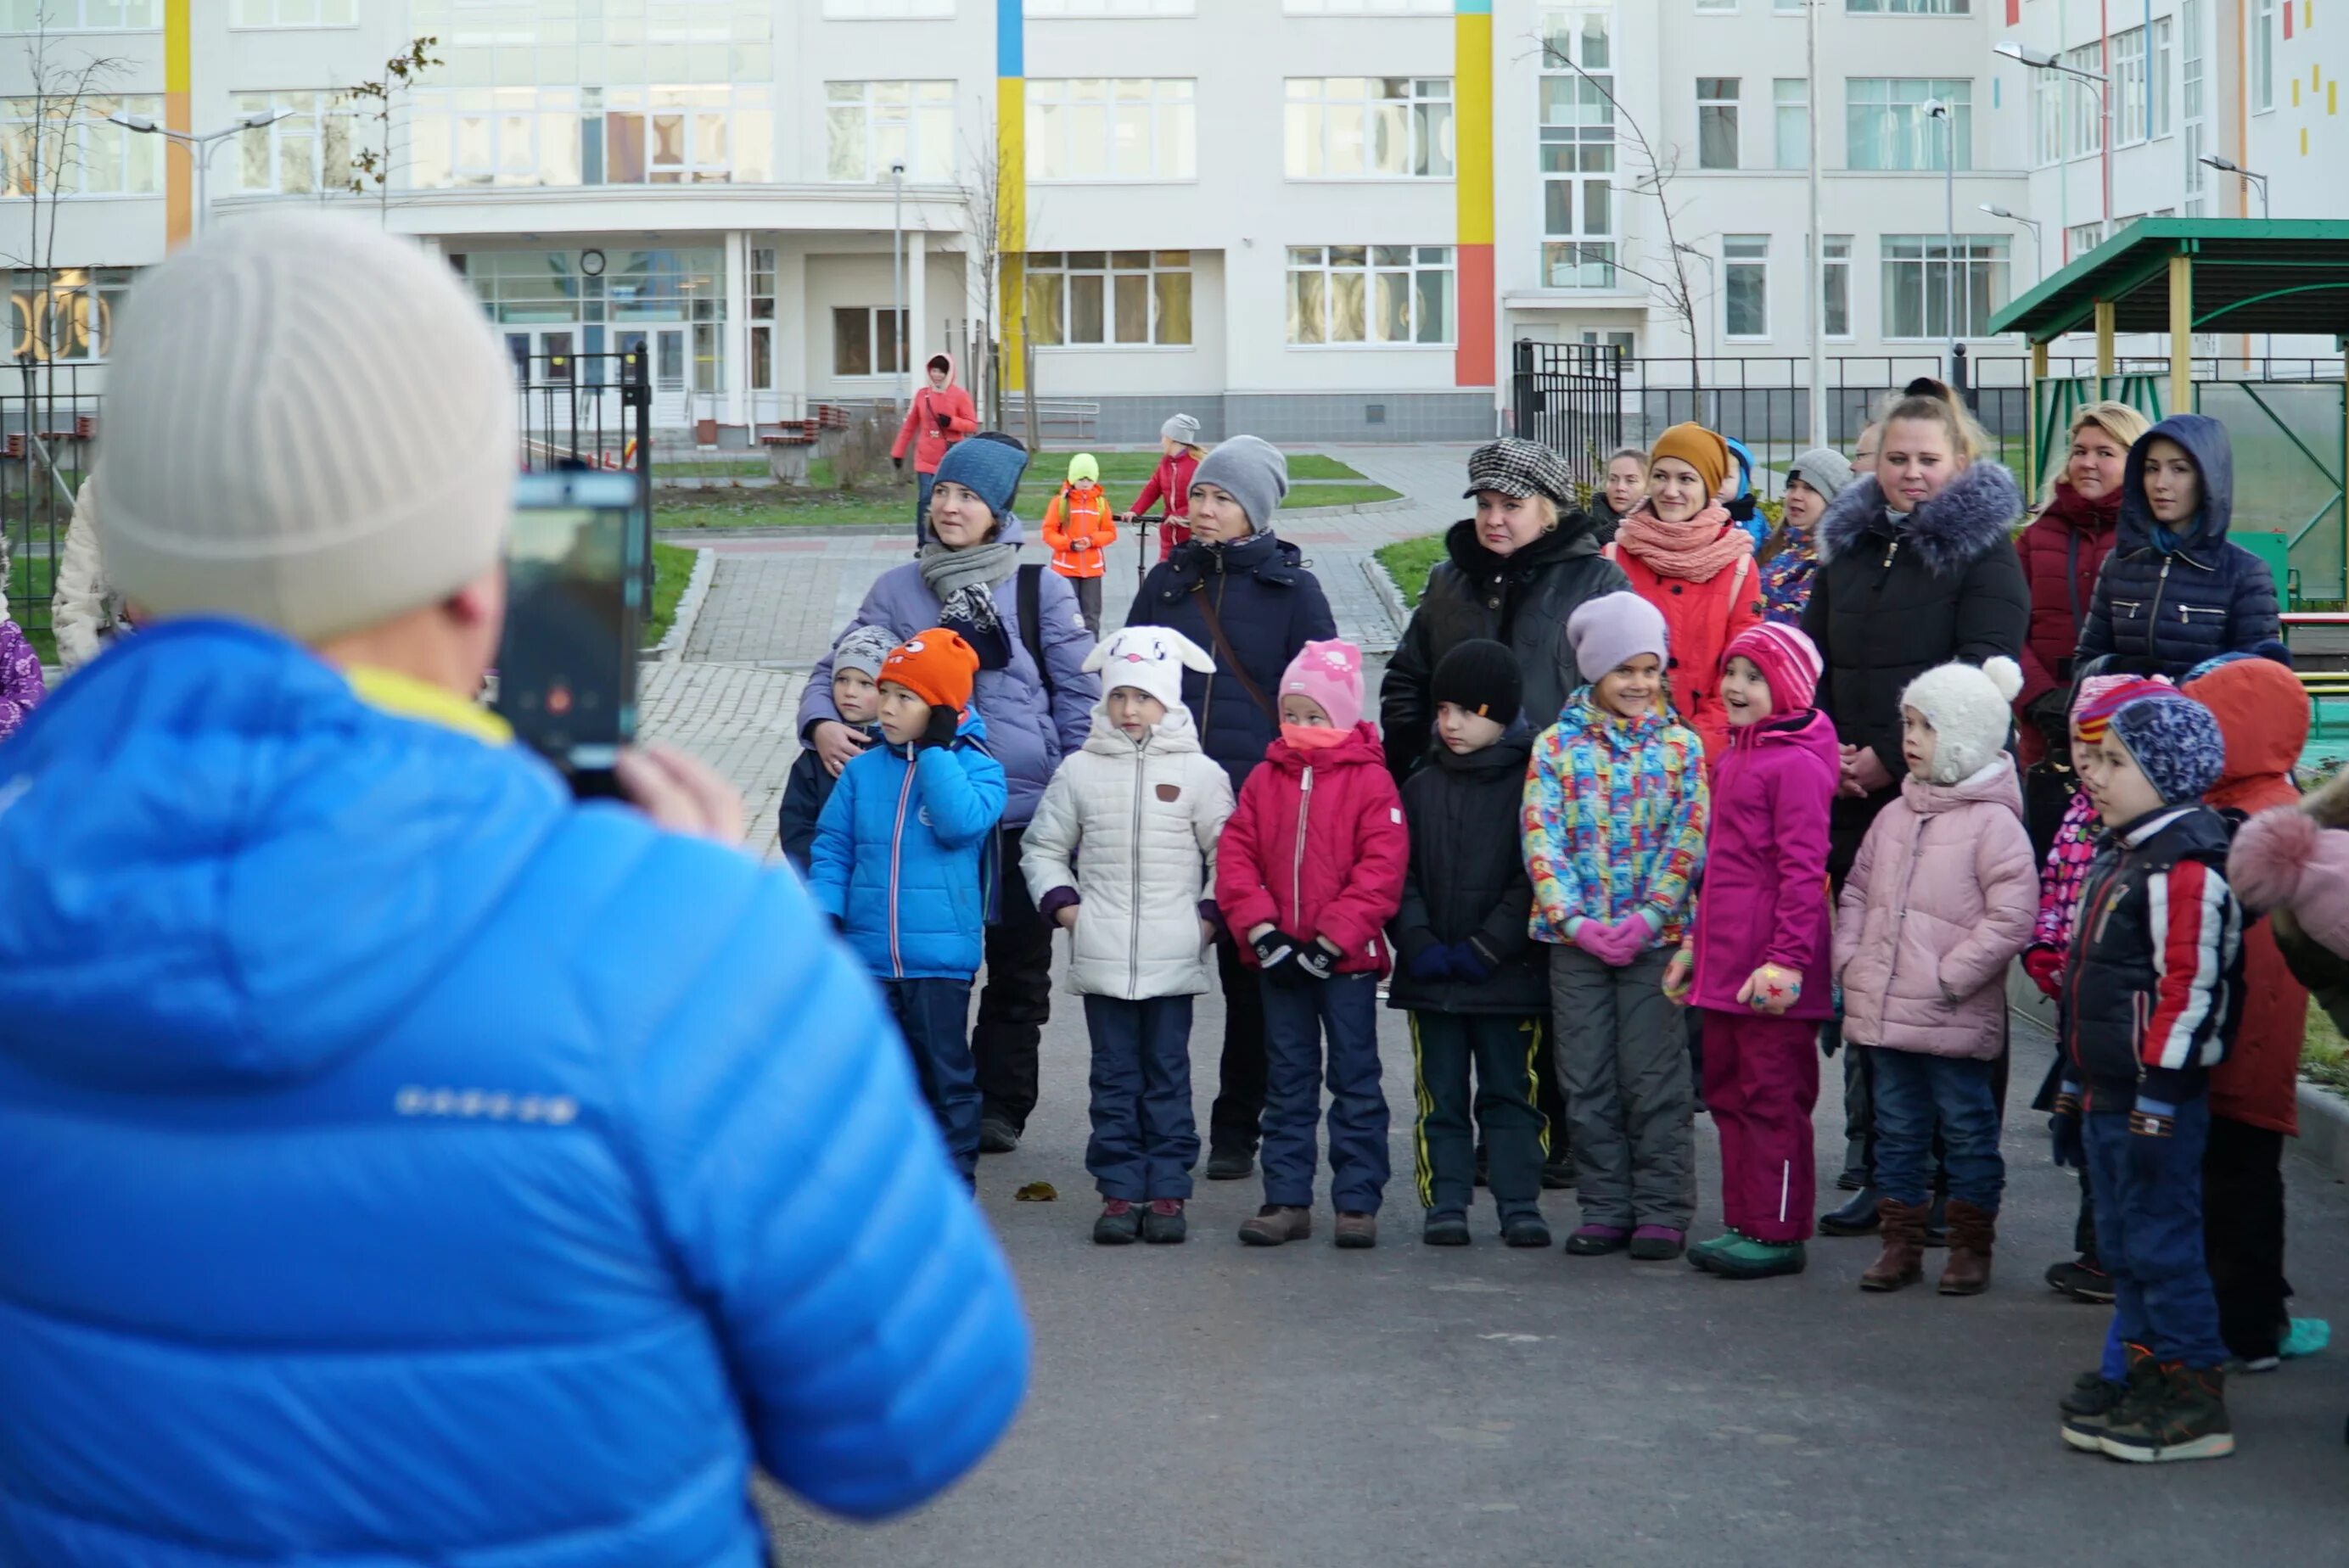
(373, 166)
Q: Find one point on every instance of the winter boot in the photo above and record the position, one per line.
(1163, 1223)
(1120, 1222)
(1902, 1262)
(1972, 1233)
(2088, 1411)
(1936, 1222)
(997, 1135)
(1857, 1217)
(1700, 1255)
(2186, 1420)
(1658, 1243)
(1597, 1241)
(1745, 1258)
(2082, 1279)
(1233, 1161)
(1444, 1228)
(1274, 1224)
(1356, 1230)
(1525, 1231)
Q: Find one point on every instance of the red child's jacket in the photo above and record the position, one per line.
(1170, 484)
(1317, 847)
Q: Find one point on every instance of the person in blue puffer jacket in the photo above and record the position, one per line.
(2175, 591)
(1037, 699)
(416, 1166)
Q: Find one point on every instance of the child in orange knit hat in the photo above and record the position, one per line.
(904, 860)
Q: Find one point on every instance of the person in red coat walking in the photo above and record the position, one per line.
(2263, 717)
(941, 415)
(1310, 872)
(2063, 549)
(1179, 455)
(1685, 556)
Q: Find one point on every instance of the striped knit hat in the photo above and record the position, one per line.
(1787, 659)
(2101, 696)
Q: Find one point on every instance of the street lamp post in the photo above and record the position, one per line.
(200, 147)
(1942, 111)
(2037, 266)
(2041, 60)
(2229, 166)
(897, 275)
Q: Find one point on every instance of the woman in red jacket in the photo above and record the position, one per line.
(1309, 873)
(2063, 549)
(1179, 450)
(1685, 556)
(942, 414)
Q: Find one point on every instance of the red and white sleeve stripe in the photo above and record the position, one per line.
(2195, 928)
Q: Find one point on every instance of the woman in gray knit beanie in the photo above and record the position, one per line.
(1791, 553)
(1247, 470)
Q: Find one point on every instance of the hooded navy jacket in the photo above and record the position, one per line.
(2157, 612)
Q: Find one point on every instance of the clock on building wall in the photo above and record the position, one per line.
(591, 263)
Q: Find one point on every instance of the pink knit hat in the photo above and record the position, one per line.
(1787, 659)
(1331, 673)
(2283, 858)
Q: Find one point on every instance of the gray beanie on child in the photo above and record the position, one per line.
(863, 649)
(1823, 469)
(1181, 428)
(309, 427)
(1253, 472)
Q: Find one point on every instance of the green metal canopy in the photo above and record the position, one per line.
(2286, 275)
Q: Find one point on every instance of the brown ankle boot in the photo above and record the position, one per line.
(1903, 1259)
(1972, 1232)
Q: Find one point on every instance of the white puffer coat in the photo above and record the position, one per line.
(1132, 826)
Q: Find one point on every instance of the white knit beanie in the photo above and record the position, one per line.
(1150, 659)
(309, 427)
(1969, 709)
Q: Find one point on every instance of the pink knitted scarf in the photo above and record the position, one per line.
(1696, 550)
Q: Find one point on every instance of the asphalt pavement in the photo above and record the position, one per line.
(1215, 1404)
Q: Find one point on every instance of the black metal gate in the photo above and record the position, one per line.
(48, 424)
(591, 411)
(1569, 397)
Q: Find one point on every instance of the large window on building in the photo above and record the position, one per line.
(1108, 299)
(763, 319)
(80, 16)
(1576, 152)
(1370, 127)
(2083, 115)
(2191, 103)
(1888, 123)
(2082, 238)
(1917, 284)
(1745, 287)
(2131, 105)
(669, 303)
(1834, 284)
(1112, 129)
(307, 151)
(1370, 295)
(1716, 122)
(868, 340)
(294, 14)
(2263, 46)
(66, 315)
(45, 150)
(1790, 112)
(2159, 110)
(869, 126)
(2047, 117)
(589, 136)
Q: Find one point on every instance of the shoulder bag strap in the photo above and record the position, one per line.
(1231, 660)
(1031, 621)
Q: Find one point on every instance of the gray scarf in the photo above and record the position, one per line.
(963, 580)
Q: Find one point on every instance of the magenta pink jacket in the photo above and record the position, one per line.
(1939, 902)
(1316, 846)
(1764, 899)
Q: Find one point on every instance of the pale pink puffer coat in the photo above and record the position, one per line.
(1939, 902)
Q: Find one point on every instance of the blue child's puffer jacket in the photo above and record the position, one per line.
(905, 855)
(409, 1166)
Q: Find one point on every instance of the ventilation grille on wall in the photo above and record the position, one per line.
(1374, 413)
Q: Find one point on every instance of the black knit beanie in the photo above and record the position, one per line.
(1480, 675)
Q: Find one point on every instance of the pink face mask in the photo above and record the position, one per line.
(1311, 736)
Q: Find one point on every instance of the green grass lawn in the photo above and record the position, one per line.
(672, 570)
(735, 508)
(1336, 495)
(2323, 1055)
(1121, 472)
(1409, 561)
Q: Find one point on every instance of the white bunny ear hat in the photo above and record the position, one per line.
(1970, 710)
(1150, 658)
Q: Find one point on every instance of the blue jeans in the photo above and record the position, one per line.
(923, 485)
(2149, 1239)
(1911, 1088)
(934, 1017)
(1144, 1139)
(1296, 1018)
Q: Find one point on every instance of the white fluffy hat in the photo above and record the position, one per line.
(1969, 708)
(1151, 659)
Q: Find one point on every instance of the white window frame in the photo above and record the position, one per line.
(73, 16)
(2047, 90)
(1727, 93)
(2083, 124)
(886, 10)
(2162, 78)
(1790, 115)
(2193, 105)
(1835, 265)
(874, 314)
(1061, 110)
(1378, 265)
(762, 324)
(1907, 122)
(1717, 8)
(134, 161)
(918, 126)
(314, 117)
(1744, 253)
(1908, 8)
(1092, 10)
(2083, 239)
(1421, 116)
(1072, 268)
(255, 16)
(1575, 146)
(2132, 109)
(1994, 253)
(538, 137)
(2262, 24)
(1367, 7)
(89, 297)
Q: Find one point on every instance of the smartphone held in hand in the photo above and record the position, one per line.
(575, 611)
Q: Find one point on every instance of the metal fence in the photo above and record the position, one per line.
(49, 417)
(591, 411)
(1569, 397)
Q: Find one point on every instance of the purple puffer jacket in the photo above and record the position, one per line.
(22, 687)
(1939, 902)
(1027, 731)
(1764, 899)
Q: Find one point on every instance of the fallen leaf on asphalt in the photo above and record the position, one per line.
(1036, 1192)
